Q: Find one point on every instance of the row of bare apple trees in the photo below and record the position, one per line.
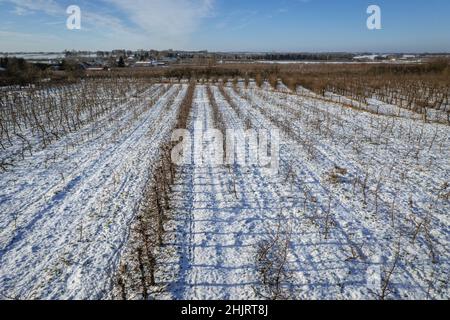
(139, 276)
(412, 94)
(32, 118)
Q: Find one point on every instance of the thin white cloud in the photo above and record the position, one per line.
(48, 6)
(20, 11)
(144, 23)
(52, 8)
(170, 19)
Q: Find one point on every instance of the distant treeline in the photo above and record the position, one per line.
(301, 56)
(19, 72)
(437, 67)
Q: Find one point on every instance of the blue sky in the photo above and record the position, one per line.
(226, 25)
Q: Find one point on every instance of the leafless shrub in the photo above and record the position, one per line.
(121, 281)
(142, 273)
(328, 219)
(259, 80)
(337, 175)
(392, 212)
(273, 81)
(377, 192)
(272, 263)
(235, 83)
(246, 81)
(444, 192)
(386, 281)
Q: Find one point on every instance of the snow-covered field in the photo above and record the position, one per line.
(359, 208)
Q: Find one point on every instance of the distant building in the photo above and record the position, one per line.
(372, 58)
(168, 60)
(366, 58)
(93, 66)
(143, 64)
(408, 57)
(159, 63)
